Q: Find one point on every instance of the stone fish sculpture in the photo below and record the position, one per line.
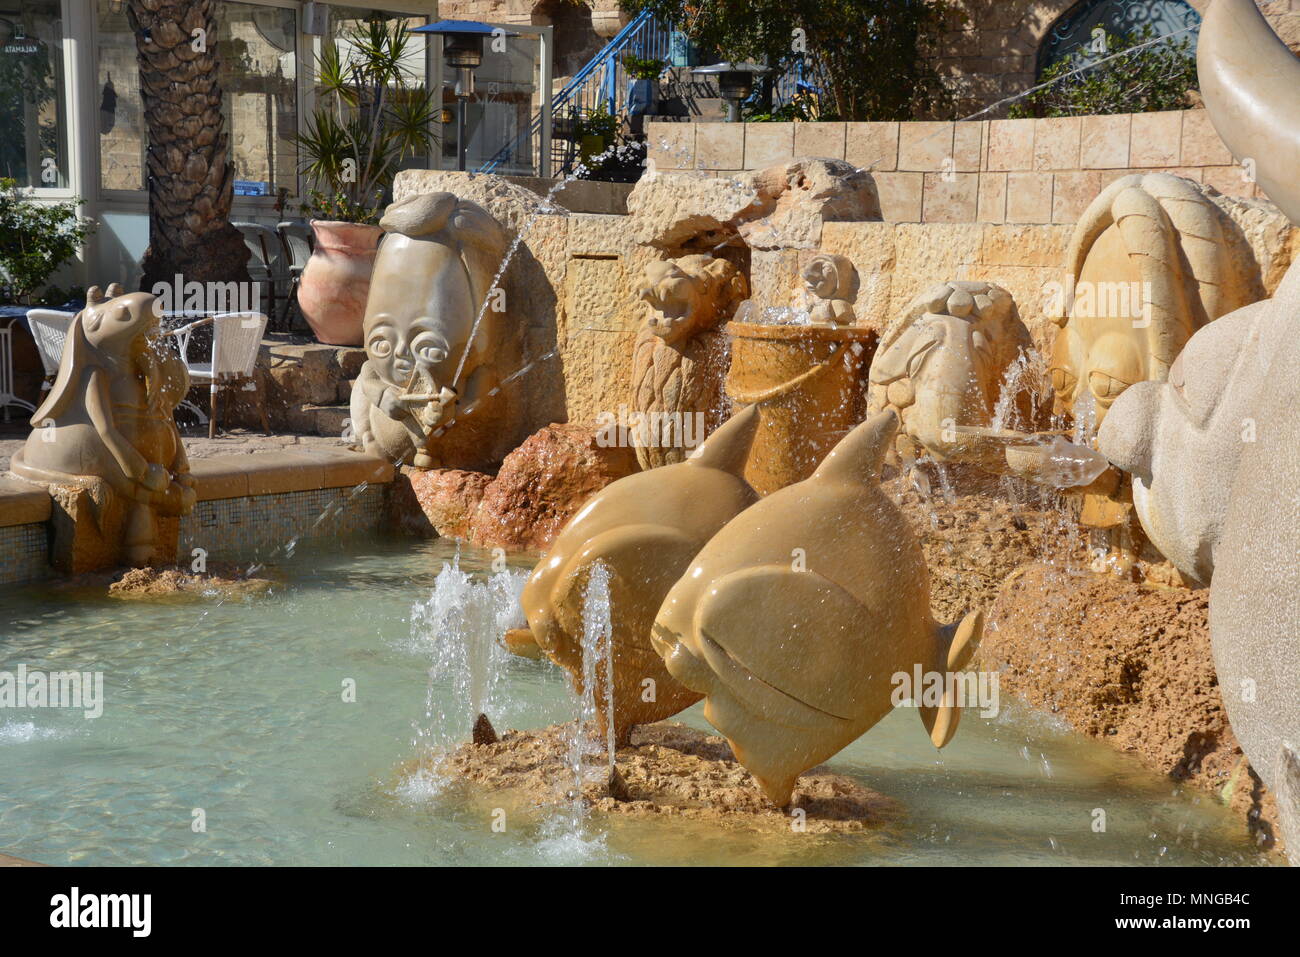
(431, 279)
(109, 416)
(797, 617)
(943, 364)
(679, 359)
(1215, 451)
(831, 285)
(645, 529)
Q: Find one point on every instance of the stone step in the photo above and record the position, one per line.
(327, 419)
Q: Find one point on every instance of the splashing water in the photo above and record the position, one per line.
(459, 623)
(1023, 377)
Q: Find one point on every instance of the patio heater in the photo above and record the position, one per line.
(735, 82)
(462, 48)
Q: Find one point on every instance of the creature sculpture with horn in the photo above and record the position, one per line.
(109, 417)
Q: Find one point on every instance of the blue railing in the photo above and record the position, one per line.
(600, 85)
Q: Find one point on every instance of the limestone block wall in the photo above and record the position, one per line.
(1030, 171)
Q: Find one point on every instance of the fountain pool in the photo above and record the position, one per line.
(237, 709)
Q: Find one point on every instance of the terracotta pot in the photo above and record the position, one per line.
(808, 380)
(333, 289)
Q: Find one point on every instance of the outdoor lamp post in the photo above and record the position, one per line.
(462, 48)
(735, 83)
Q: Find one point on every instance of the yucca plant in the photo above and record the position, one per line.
(372, 115)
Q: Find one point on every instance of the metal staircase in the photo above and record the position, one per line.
(600, 85)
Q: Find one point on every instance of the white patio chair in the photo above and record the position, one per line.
(49, 328)
(236, 340)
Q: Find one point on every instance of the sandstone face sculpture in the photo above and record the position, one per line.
(831, 284)
(644, 529)
(109, 417)
(797, 617)
(943, 365)
(431, 281)
(679, 359)
(1215, 451)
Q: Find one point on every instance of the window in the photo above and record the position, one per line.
(258, 77)
(1071, 37)
(33, 103)
(119, 111)
(257, 74)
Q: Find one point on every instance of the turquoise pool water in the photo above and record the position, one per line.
(236, 710)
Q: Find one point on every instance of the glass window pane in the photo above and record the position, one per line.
(33, 107)
(258, 76)
(499, 114)
(119, 111)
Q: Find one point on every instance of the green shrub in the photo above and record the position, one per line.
(1154, 78)
(35, 239)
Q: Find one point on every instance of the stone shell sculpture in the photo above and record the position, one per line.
(943, 365)
(1149, 263)
(1215, 451)
(645, 529)
(109, 417)
(796, 618)
(831, 285)
(423, 370)
(679, 358)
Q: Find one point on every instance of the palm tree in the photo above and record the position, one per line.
(190, 178)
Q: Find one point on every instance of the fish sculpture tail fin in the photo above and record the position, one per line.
(957, 644)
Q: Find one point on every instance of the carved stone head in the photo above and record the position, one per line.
(944, 362)
(688, 295)
(431, 278)
(834, 281)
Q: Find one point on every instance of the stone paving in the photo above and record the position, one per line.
(197, 446)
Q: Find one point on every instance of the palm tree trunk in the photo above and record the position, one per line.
(190, 178)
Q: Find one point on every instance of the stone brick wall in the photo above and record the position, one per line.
(990, 171)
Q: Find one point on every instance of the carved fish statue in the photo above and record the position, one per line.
(797, 619)
(644, 529)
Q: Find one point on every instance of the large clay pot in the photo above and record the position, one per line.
(808, 381)
(333, 289)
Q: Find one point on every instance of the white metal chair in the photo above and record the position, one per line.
(236, 340)
(49, 328)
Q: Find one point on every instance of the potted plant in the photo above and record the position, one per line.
(371, 116)
(642, 94)
(35, 240)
